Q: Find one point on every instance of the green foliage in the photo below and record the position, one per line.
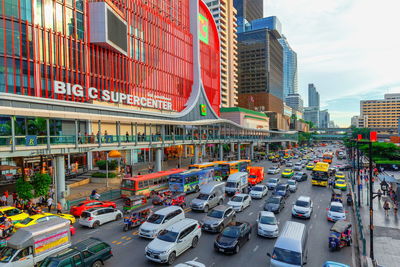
(305, 138)
(390, 162)
(23, 189)
(41, 183)
(37, 126)
(103, 175)
(112, 164)
(382, 151)
(363, 131)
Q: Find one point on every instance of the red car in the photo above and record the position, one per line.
(72, 230)
(89, 204)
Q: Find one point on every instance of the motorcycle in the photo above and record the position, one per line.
(136, 218)
(349, 200)
(340, 235)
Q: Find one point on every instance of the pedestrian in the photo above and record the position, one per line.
(386, 207)
(127, 136)
(49, 203)
(3, 200)
(150, 168)
(379, 195)
(79, 137)
(15, 198)
(395, 208)
(86, 138)
(98, 136)
(59, 208)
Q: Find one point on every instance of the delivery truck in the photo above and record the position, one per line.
(256, 174)
(30, 245)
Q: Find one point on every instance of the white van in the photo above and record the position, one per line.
(291, 246)
(237, 182)
(160, 220)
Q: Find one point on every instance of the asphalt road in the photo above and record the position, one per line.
(128, 247)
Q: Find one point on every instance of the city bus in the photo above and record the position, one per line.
(327, 157)
(231, 167)
(146, 183)
(190, 181)
(202, 165)
(320, 175)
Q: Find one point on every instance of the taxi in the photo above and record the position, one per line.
(341, 184)
(271, 157)
(287, 173)
(310, 166)
(286, 157)
(339, 175)
(13, 213)
(43, 217)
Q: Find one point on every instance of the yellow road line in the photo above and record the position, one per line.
(128, 238)
(135, 233)
(114, 242)
(119, 243)
(123, 237)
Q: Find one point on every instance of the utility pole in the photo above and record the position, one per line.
(371, 204)
(358, 176)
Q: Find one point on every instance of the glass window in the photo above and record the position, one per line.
(66, 263)
(69, 18)
(26, 10)
(69, 3)
(11, 8)
(79, 25)
(97, 248)
(79, 5)
(59, 18)
(48, 11)
(77, 260)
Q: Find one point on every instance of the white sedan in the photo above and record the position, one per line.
(259, 191)
(274, 170)
(239, 202)
(336, 212)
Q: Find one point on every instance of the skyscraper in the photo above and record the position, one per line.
(294, 101)
(249, 9)
(290, 85)
(225, 17)
(313, 96)
(312, 114)
(324, 118)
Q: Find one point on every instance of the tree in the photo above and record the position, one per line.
(41, 183)
(37, 126)
(24, 189)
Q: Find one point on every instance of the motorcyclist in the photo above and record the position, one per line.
(7, 227)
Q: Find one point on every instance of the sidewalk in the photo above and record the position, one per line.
(386, 229)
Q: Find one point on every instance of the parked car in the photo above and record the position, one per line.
(267, 224)
(239, 202)
(336, 212)
(282, 190)
(93, 218)
(300, 176)
(233, 237)
(272, 183)
(91, 252)
(274, 204)
(273, 170)
(218, 218)
(173, 241)
(292, 185)
(259, 191)
(303, 207)
(90, 204)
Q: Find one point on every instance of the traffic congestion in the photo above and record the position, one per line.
(285, 208)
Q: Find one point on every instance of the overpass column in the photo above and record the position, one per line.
(196, 154)
(60, 179)
(267, 148)
(157, 164)
(238, 153)
(283, 144)
(221, 152)
(89, 158)
(232, 147)
(251, 151)
(203, 151)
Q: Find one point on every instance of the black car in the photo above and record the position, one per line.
(282, 190)
(274, 204)
(300, 176)
(233, 237)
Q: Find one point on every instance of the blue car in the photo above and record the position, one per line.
(334, 264)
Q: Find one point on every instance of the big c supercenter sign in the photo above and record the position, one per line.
(151, 101)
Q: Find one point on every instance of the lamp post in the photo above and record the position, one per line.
(358, 175)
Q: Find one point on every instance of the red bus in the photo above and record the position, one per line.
(144, 184)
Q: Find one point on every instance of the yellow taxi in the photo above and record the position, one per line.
(310, 166)
(341, 184)
(13, 213)
(42, 217)
(339, 175)
(287, 173)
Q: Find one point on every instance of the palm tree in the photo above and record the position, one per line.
(37, 126)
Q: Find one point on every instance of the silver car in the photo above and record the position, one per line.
(292, 185)
(217, 218)
(272, 183)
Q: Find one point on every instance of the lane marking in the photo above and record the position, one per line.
(119, 243)
(251, 213)
(126, 243)
(195, 259)
(128, 238)
(261, 205)
(255, 249)
(311, 226)
(135, 233)
(114, 242)
(123, 237)
(315, 215)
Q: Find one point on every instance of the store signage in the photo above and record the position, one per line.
(203, 110)
(151, 101)
(203, 31)
(31, 140)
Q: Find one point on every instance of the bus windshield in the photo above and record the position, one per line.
(319, 175)
(175, 179)
(128, 184)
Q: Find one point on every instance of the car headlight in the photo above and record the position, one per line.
(215, 224)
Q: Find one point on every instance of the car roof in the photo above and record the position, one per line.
(178, 226)
(7, 208)
(259, 185)
(165, 211)
(275, 197)
(222, 207)
(304, 198)
(241, 195)
(335, 203)
(267, 213)
(84, 244)
(291, 236)
(41, 215)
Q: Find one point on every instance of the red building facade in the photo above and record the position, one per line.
(48, 41)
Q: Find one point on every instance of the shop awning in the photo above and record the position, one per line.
(114, 154)
(8, 167)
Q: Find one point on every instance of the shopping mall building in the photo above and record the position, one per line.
(82, 77)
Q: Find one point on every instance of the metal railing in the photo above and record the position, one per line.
(109, 195)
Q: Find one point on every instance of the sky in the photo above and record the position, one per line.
(350, 49)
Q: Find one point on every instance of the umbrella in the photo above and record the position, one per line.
(8, 167)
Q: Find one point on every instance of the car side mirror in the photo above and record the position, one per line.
(257, 220)
(327, 208)
(179, 241)
(269, 254)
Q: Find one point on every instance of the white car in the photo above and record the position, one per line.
(239, 202)
(267, 225)
(272, 183)
(259, 191)
(173, 241)
(336, 212)
(274, 170)
(95, 217)
(292, 185)
(298, 166)
(302, 208)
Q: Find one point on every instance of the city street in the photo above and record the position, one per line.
(128, 248)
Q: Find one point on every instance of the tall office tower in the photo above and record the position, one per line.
(324, 118)
(313, 96)
(290, 85)
(312, 114)
(294, 101)
(261, 66)
(249, 9)
(225, 17)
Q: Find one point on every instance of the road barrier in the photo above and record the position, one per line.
(108, 195)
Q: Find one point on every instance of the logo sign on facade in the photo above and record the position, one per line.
(151, 101)
(31, 140)
(203, 31)
(203, 110)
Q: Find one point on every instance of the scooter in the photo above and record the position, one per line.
(349, 200)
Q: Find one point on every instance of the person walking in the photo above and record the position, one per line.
(59, 208)
(49, 203)
(4, 200)
(127, 137)
(395, 208)
(15, 198)
(386, 207)
(379, 195)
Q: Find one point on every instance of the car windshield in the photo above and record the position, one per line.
(232, 232)
(339, 174)
(272, 180)
(167, 236)
(273, 200)
(12, 212)
(203, 197)
(337, 209)
(237, 199)
(273, 168)
(49, 262)
(26, 221)
(287, 170)
(230, 184)
(257, 188)
(291, 182)
(6, 253)
(301, 203)
(268, 220)
(215, 214)
(155, 218)
(281, 188)
(287, 256)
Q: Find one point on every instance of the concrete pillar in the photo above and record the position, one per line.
(203, 151)
(232, 147)
(158, 161)
(185, 151)
(267, 148)
(238, 151)
(196, 154)
(283, 144)
(60, 179)
(221, 152)
(251, 151)
(89, 160)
